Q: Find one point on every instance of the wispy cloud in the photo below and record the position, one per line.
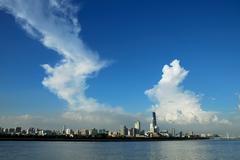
(55, 24)
(174, 104)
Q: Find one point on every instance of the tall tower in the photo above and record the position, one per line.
(154, 121)
(137, 126)
(124, 131)
(153, 125)
(64, 129)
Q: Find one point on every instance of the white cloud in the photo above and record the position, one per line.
(54, 23)
(174, 104)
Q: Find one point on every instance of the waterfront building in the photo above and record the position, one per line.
(124, 131)
(151, 128)
(132, 132)
(142, 132)
(64, 129)
(102, 131)
(1, 130)
(189, 134)
(135, 132)
(76, 132)
(115, 134)
(110, 133)
(93, 132)
(153, 125)
(129, 132)
(173, 132)
(5, 130)
(181, 134)
(24, 132)
(38, 131)
(137, 126)
(18, 130)
(31, 131)
(69, 131)
(154, 119)
(84, 132)
(12, 130)
(203, 135)
(164, 133)
(45, 132)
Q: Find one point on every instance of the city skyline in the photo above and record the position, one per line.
(124, 133)
(89, 63)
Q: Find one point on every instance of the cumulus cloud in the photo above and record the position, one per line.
(55, 24)
(174, 104)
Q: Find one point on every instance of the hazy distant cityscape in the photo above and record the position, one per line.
(124, 131)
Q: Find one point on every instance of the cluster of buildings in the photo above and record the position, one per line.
(135, 131)
(154, 131)
(29, 131)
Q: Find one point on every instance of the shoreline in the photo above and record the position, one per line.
(95, 139)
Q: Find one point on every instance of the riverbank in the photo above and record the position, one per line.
(95, 139)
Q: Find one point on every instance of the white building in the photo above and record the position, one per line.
(68, 131)
(137, 126)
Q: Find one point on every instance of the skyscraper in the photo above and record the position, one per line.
(153, 124)
(151, 127)
(64, 129)
(137, 126)
(154, 121)
(124, 131)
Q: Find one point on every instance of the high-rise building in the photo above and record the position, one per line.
(153, 124)
(137, 126)
(64, 129)
(124, 131)
(151, 127)
(154, 120)
(173, 132)
(132, 132)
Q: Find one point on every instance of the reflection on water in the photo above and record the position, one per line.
(166, 150)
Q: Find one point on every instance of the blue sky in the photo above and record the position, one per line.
(138, 38)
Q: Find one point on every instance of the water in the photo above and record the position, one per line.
(164, 150)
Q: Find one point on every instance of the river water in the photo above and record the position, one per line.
(162, 150)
